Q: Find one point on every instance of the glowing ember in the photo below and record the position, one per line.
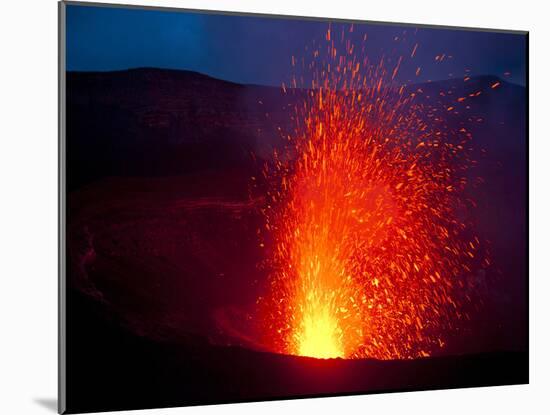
(368, 257)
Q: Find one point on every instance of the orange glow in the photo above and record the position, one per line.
(320, 334)
(368, 254)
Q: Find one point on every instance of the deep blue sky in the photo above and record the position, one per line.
(258, 50)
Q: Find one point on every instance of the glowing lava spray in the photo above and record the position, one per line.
(368, 254)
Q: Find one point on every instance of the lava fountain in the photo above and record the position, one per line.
(368, 257)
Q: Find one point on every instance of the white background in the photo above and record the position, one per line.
(28, 204)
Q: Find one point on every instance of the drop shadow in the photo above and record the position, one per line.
(48, 403)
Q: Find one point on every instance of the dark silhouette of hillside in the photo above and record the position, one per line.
(162, 242)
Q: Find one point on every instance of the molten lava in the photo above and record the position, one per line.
(368, 258)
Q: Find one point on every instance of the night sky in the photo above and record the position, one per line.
(258, 50)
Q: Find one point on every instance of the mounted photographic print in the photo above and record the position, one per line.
(259, 207)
